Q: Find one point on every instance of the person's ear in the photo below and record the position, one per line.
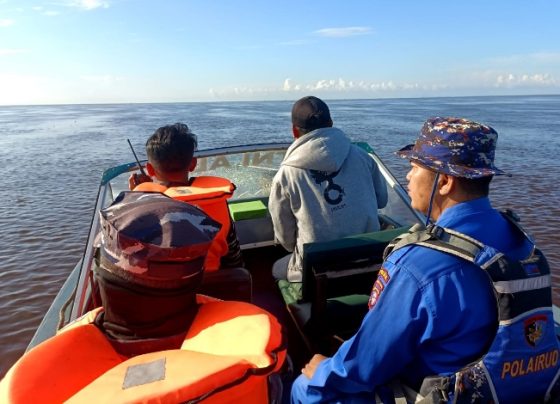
(295, 131)
(192, 164)
(150, 169)
(446, 184)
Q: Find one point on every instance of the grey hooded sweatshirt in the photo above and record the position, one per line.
(326, 188)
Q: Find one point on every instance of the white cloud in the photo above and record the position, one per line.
(340, 85)
(481, 81)
(511, 80)
(86, 4)
(290, 86)
(6, 23)
(343, 32)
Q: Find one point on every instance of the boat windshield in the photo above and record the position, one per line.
(252, 169)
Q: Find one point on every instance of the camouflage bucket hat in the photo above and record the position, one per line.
(455, 146)
(150, 239)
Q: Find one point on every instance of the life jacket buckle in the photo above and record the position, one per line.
(435, 231)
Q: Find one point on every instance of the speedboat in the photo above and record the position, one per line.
(318, 313)
(251, 168)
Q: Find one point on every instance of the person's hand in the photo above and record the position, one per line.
(311, 367)
(136, 179)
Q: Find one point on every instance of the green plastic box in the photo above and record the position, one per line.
(248, 210)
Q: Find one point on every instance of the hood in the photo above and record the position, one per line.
(324, 149)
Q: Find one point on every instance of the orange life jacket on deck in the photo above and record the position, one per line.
(209, 194)
(227, 354)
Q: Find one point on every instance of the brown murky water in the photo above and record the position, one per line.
(52, 157)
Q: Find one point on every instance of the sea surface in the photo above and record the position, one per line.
(52, 157)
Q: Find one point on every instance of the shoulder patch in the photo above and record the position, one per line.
(380, 284)
(534, 328)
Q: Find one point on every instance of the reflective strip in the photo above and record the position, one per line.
(442, 247)
(464, 236)
(194, 190)
(522, 285)
(491, 261)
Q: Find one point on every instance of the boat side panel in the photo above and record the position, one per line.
(49, 324)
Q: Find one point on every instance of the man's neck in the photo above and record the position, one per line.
(450, 202)
(172, 180)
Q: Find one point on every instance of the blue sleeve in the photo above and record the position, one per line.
(385, 343)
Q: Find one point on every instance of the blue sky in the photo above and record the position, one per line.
(105, 51)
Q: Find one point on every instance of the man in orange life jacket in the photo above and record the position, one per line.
(145, 341)
(149, 267)
(170, 160)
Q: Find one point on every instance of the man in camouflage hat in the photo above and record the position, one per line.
(149, 267)
(430, 312)
(154, 339)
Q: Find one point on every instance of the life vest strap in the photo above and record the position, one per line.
(438, 238)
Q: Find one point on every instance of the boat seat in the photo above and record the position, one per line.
(328, 306)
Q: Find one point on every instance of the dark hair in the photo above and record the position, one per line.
(171, 147)
(475, 186)
(310, 113)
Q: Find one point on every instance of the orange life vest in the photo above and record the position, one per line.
(226, 356)
(209, 194)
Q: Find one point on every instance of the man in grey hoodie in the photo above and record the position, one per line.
(326, 187)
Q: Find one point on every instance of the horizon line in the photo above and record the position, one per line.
(278, 100)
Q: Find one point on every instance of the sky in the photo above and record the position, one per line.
(120, 51)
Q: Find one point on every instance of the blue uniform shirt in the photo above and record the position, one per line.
(432, 313)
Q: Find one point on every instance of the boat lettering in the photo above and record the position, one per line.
(536, 363)
(260, 158)
(254, 159)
